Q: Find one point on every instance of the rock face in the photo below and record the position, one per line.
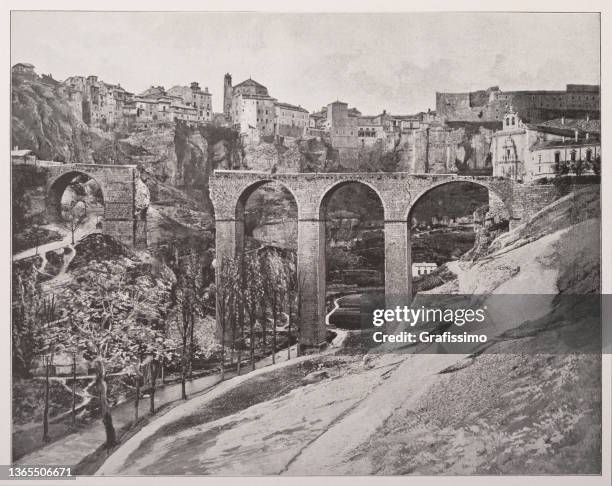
(44, 121)
(446, 149)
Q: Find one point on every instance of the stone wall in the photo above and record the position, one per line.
(533, 106)
(445, 149)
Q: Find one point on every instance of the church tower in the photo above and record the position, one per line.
(227, 96)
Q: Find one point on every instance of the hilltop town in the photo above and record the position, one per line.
(524, 135)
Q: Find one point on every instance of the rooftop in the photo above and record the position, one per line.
(257, 97)
(560, 143)
(580, 124)
(20, 152)
(291, 107)
(250, 82)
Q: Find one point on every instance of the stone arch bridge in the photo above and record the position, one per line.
(398, 192)
(118, 185)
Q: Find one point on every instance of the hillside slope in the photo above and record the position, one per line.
(525, 405)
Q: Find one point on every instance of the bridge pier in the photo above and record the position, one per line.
(229, 243)
(311, 275)
(398, 264)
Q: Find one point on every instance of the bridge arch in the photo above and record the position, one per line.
(58, 185)
(500, 200)
(237, 219)
(247, 190)
(329, 191)
(323, 215)
(124, 194)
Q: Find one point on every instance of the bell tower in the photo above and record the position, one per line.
(227, 96)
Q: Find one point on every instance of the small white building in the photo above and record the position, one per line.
(423, 268)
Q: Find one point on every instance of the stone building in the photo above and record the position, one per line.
(576, 101)
(529, 151)
(290, 120)
(253, 110)
(24, 69)
(256, 114)
(102, 105)
(157, 105)
(194, 96)
(342, 126)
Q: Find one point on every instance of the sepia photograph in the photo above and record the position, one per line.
(265, 243)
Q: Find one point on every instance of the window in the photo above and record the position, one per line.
(512, 121)
(573, 155)
(507, 122)
(589, 155)
(557, 157)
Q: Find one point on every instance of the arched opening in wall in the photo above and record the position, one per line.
(266, 239)
(76, 204)
(454, 221)
(354, 250)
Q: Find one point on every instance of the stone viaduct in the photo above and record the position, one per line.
(398, 192)
(118, 186)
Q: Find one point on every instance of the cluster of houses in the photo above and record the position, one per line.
(518, 149)
(109, 106)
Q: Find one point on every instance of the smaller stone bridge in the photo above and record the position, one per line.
(121, 220)
(398, 193)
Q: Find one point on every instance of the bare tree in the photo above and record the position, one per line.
(295, 290)
(253, 296)
(228, 271)
(274, 278)
(73, 216)
(50, 338)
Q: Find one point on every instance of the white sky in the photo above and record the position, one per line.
(372, 61)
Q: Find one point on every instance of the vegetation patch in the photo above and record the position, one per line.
(100, 247)
(33, 236)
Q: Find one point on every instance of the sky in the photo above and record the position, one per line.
(375, 62)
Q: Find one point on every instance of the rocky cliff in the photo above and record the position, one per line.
(44, 121)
